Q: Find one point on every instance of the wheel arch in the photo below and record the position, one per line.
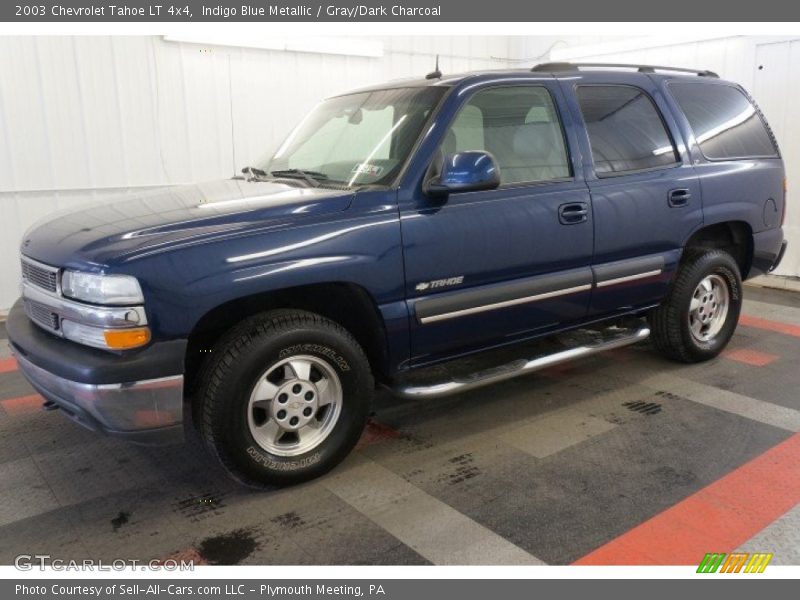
(347, 304)
(735, 237)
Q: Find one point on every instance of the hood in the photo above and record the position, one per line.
(97, 236)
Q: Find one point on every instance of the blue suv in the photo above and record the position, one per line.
(398, 227)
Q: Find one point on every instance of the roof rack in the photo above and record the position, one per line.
(554, 67)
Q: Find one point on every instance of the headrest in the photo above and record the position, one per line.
(534, 140)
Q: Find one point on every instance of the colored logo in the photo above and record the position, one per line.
(736, 562)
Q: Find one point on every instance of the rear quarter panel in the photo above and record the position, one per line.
(750, 190)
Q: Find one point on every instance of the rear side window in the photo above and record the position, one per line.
(724, 121)
(625, 129)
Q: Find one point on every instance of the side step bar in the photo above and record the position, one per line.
(610, 339)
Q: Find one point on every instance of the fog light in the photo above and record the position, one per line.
(123, 339)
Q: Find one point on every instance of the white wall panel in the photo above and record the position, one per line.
(88, 118)
(25, 120)
(97, 112)
(98, 107)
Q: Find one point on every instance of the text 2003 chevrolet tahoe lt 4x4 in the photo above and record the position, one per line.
(397, 227)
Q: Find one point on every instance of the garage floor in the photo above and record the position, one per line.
(623, 458)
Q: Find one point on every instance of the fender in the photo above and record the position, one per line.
(362, 247)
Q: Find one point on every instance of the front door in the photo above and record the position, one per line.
(489, 267)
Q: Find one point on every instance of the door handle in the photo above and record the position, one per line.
(575, 212)
(678, 198)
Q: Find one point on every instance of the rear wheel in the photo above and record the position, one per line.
(697, 319)
(285, 397)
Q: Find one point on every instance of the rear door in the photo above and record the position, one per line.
(645, 194)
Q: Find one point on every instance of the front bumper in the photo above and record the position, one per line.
(102, 391)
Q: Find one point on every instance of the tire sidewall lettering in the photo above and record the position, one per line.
(259, 456)
(319, 350)
(733, 284)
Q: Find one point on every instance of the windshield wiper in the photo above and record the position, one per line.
(254, 173)
(311, 177)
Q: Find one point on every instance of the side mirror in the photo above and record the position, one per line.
(470, 171)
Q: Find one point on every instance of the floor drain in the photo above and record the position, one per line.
(646, 408)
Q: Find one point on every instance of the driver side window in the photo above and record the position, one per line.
(519, 126)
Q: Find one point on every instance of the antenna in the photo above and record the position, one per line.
(436, 73)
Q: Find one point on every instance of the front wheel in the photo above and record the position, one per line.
(697, 319)
(285, 398)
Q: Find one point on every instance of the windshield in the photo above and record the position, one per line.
(357, 139)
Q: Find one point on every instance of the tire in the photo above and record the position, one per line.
(690, 326)
(285, 397)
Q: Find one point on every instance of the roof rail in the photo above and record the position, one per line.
(554, 67)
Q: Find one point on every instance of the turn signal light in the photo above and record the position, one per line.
(124, 339)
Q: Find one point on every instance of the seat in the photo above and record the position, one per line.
(529, 152)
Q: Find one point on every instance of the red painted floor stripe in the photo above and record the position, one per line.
(751, 357)
(758, 322)
(7, 364)
(22, 404)
(718, 518)
(376, 432)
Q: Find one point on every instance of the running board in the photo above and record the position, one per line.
(609, 339)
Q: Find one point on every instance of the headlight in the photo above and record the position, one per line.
(101, 289)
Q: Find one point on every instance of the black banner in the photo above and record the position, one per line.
(395, 11)
(394, 589)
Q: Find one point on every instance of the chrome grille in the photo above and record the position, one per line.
(40, 275)
(42, 315)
